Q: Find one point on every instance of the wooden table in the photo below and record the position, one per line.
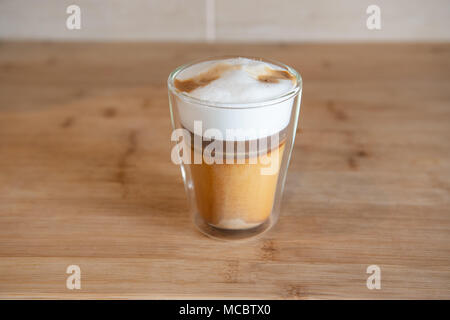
(86, 177)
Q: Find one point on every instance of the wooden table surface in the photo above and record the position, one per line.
(86, 177)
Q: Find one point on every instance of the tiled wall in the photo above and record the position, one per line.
(226, 20)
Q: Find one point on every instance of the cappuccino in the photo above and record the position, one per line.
(238, 116)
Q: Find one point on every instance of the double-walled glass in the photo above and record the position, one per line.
(234, 182)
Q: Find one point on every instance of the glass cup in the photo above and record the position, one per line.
(234, 156)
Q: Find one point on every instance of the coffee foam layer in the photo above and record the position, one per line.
(237, 81)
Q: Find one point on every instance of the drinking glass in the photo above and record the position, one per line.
(240, 196)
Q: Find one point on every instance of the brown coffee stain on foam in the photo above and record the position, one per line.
(273, 76)
(204, 78)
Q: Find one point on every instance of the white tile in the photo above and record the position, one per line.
(331, 20)
(234, 20)
(159, 20)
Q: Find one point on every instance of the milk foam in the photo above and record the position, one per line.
(237, 85)
(241, 88)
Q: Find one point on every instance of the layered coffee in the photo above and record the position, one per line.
(242, 139)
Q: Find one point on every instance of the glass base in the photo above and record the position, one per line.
(230, 234)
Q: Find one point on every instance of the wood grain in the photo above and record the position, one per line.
(86, 177)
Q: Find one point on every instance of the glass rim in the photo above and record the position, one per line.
(235, 105)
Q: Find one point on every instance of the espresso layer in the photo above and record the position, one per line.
(235, 150)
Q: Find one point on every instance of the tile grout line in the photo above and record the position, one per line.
(210, 20)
